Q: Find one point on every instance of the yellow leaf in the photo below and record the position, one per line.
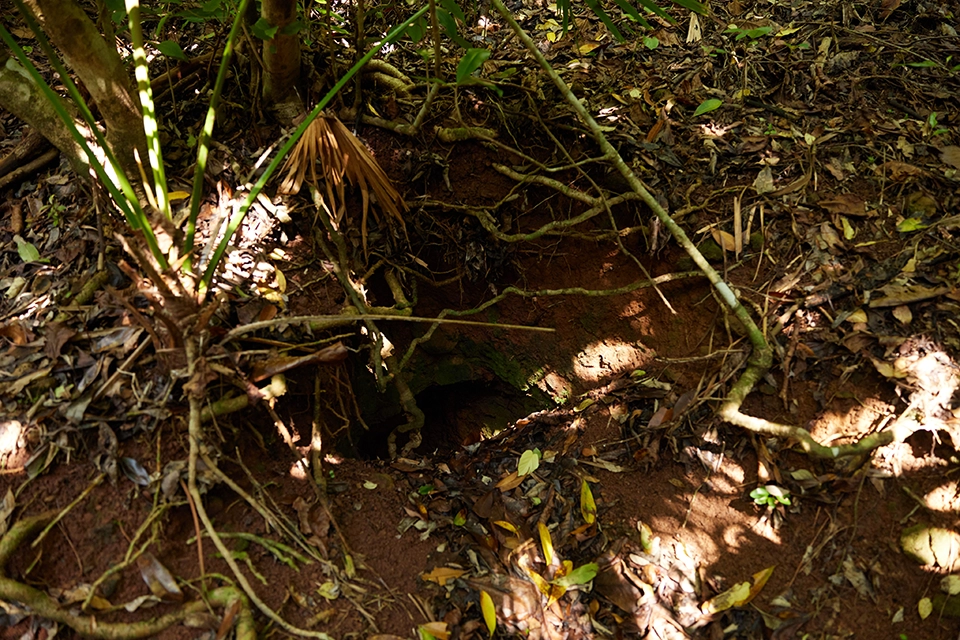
(730, 598)
(857, 316)
(903, 314)
(587, 47)
(738, 595)
(173, 196)
(588, 508)
(489, 611)
(503, 524)
(583, 405)
(556, 592)
(547, 543)
(924, 608)
(759, 580)
(442, 575)
(540, 583)
(646, 536)
(724, 239)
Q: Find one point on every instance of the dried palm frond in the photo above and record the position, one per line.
(343, 160)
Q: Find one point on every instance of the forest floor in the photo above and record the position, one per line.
(823, 186)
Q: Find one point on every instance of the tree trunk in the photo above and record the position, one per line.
(99, 67)
(21, 97)
(281, 54)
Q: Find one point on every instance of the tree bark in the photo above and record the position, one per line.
(281, 54)
(99, 67)
(21, 97)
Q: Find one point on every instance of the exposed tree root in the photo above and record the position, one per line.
(40, 604)
(761, 356)
(195, 389)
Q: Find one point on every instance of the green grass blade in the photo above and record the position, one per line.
(126, 201)
(203, 144)
(654, 8)
(605, 19)
(692, 5)
(150, 129)
(631, 11)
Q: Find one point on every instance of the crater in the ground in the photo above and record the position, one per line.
(455, 415)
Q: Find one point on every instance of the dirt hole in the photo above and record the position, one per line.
(455, 415)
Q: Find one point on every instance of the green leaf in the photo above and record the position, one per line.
(453, 9)
(293, 28)
(580, 575)
(417, 30)
(264, 30)
(451, 29)
(28, 252)
(707, 106)
(529, 462)
(472, 60)
(753, 34)
(911, 224)
(922, 65)
(171, 49)
(650, 42)
(563, 6)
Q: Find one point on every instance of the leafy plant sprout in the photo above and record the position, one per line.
(771, 496)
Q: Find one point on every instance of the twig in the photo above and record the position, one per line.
(192, 349)
(89, 626)
(325, 322)
(43, 534)
(761, 356)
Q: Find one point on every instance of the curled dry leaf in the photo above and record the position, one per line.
(161, 582)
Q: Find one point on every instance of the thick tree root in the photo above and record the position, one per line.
(761, 358)
(40, 604)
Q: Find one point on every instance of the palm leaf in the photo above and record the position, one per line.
(344, 160)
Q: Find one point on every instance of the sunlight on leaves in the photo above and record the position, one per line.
(442, 575)
(529, 462)
(580, 575)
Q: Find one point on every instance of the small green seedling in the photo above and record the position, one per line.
(771, 496)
